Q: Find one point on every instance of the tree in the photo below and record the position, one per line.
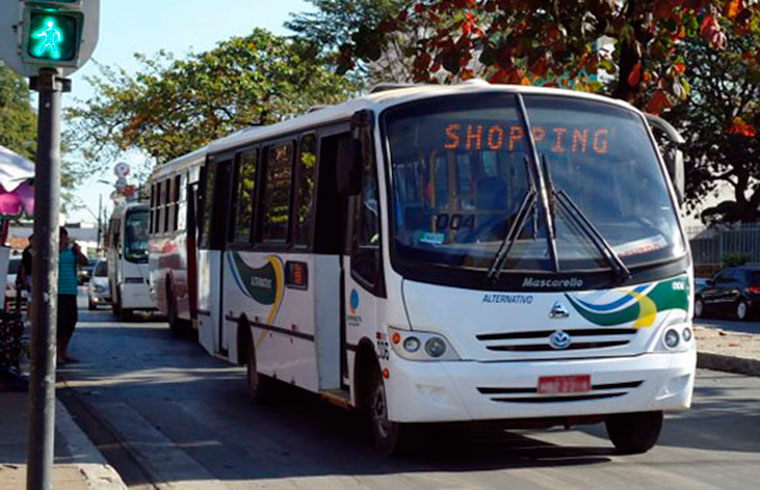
(18, 121)
(18, 127)
(337, 25)
(719, 122)
(172, 107)
(631, 44)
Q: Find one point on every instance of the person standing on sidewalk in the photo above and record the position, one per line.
(70, 255)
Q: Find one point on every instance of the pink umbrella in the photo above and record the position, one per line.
(16, 193)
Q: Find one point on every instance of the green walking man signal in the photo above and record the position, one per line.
(38, 34)
(47, 39)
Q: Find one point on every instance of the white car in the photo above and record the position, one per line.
(98, 289)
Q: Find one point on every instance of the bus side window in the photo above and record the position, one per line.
(275, 209)
(365, 257)
(305, 181)
(206, 193)
(177, 187)
(151, 219)
(246, 191)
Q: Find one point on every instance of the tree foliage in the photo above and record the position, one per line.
(172, 106)
(631, 44)
(359, 27)
(18, 121)
(719, 122)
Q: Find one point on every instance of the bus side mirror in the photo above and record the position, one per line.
(674, 156)
(349, 171)
(675, 165)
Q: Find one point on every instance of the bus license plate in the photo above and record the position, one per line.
(552, 385)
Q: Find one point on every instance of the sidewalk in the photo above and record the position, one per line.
(78, 465)
(727, 351)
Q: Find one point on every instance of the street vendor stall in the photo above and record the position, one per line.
(16, 199)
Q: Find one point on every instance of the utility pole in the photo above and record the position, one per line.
(46, 40)
(100, 225)
(45, 278)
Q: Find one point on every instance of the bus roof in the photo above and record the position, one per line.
(180, 163)
(382, 100)
(122, 208)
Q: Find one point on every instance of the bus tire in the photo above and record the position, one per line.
(634, 433)
(256, 384)
(171, 311)
(116, 306)
(390, 438)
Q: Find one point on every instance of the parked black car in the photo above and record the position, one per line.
(734, 291)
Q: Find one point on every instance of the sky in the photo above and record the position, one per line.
(177, 26)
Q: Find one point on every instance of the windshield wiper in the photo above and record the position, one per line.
(583, 223)
(543, 193)
(514, 231)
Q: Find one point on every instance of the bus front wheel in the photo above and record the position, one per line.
(256, 383)
(391, 438)
(634, 433)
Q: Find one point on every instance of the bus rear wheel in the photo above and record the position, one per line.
(634, 433)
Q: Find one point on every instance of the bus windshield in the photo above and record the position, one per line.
(462, 169)
(136, 237)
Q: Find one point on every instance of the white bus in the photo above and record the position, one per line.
(173, 245)
(127, 255)
(461, 253)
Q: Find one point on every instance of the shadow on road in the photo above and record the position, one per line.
(198, 418)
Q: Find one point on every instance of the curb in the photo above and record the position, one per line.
(731, 364)
(99, 475)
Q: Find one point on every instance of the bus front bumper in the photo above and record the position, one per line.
(453, 391)
(136, 296)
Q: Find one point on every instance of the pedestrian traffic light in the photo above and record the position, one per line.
(53, 36)
(57, 34)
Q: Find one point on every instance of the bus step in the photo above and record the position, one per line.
(341, 398)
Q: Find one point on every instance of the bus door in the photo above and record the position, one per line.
(216, 202)
(191, 244)
(362, 263)
(329, 241)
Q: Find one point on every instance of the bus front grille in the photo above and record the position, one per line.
(531, 395)
(539, 340)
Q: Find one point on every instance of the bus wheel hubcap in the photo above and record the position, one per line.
(380, 412)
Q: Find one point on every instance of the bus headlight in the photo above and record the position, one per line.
(676, 337)
(411, 344)
(671, 338)
(435, 347)
(414, 345)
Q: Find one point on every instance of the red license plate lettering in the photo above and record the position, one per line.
(552, 385)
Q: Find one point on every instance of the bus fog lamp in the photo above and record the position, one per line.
(411, 344)
(671, 339)
(686, 334)
(435, 347)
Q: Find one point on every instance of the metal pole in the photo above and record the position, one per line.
(100, 226)
(44, 282)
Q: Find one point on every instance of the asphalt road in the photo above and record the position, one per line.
(165, 413)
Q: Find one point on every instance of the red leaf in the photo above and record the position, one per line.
(658, 102)
(741, 128)
(734, 8)
(635, 76)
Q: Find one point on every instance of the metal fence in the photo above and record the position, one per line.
(708, 245)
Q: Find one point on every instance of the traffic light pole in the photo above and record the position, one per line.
(45, 281)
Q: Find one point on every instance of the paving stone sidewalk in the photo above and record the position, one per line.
(78, 465)
(728, 351)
